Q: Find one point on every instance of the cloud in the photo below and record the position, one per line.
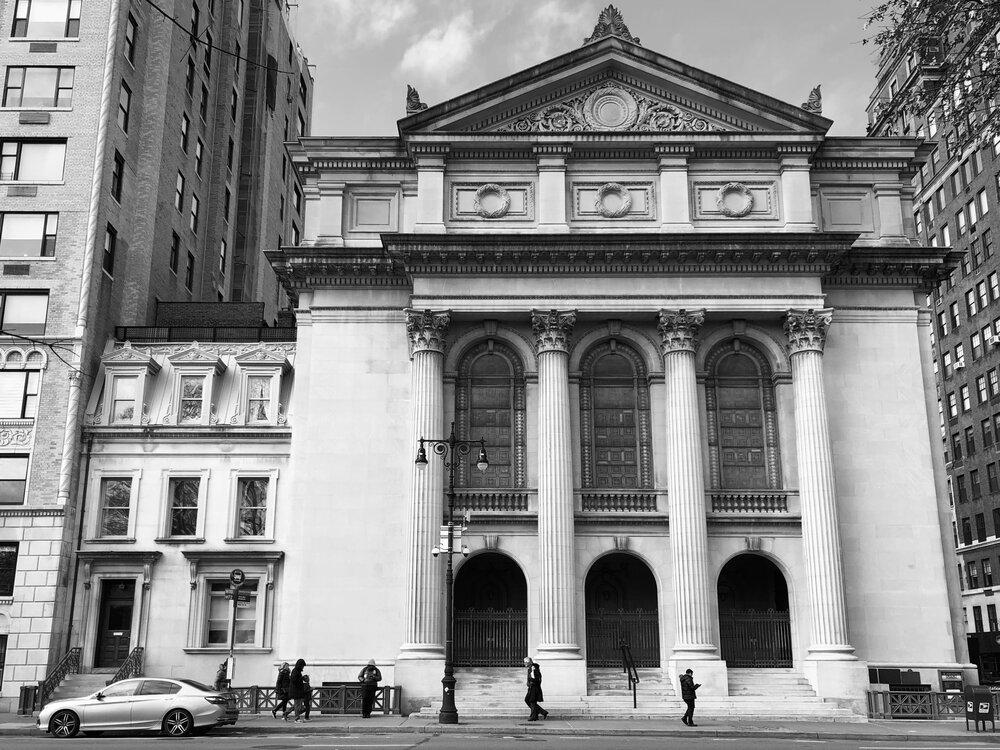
(553, 27)
(443, 51)
(354, 23)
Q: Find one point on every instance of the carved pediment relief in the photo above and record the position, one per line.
(612, 106)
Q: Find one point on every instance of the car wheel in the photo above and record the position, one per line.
(64, 724)
(178, 723)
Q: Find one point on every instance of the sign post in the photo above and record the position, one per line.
(236, 580)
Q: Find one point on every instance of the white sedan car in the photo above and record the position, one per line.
(176, 707)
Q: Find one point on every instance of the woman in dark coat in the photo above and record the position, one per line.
(534, 695)
(296, 689)
(281, 692)
(369, 677)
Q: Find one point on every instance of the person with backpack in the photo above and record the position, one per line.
(369, 677)
(281, 692)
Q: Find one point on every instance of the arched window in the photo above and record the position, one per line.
(489, 403)
(742, 423)
(614, 419)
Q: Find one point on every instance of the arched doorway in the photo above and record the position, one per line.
(754, 623)
(491, 612)
(621, 605)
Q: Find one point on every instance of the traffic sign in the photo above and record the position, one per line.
(237, 577)
(240, 595)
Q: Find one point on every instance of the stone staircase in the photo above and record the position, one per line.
(78, 685)
(778, 694)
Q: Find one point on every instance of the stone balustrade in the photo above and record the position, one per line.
(753, 501)
(491, 501)
(619, 502)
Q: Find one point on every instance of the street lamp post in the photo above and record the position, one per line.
(450, 450)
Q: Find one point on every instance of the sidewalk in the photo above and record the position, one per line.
(898, 731)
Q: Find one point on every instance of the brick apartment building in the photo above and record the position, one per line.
(142, 162)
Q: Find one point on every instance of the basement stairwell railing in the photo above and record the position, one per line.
(69, 664)
(131, 667)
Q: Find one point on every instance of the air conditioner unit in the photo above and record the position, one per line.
(960, 364)
(993, 340)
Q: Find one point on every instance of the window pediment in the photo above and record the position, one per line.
(196, 358)
(128, 358)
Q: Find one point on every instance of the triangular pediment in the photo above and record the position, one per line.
(614, 86)
(263, 355)
(126, 356)
(195, 356)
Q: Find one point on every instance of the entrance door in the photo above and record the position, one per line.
(754, 622)
(491, 613)
(114, 625)
(621, 608)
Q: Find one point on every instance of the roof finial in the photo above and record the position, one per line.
(611, 23)
(815, 102)
(413, 103)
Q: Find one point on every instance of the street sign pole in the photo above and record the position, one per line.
(236, 580)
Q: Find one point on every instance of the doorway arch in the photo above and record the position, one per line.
(754, 618)
(621, 606)
(491, 612)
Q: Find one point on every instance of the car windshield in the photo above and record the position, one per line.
(198, 686)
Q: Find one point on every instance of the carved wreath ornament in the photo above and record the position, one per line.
(618, 208)
(492, 201)
(734, 200)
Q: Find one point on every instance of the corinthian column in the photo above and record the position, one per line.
(426, 330)
(557, 590)
(824, 569)
(686, 488)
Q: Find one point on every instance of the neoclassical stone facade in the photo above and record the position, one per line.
(689, 327)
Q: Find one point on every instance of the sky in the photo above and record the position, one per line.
(365, 52)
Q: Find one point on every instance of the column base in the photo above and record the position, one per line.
(710, 672)
(420, 680)
(844, 681)
(420, 651)
(561, 676)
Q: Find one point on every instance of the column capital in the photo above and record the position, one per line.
(679, 329)
(552, 329)
(806, 329)
(427, 329)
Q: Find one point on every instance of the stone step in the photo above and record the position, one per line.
(78, 685)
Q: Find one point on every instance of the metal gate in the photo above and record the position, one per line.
(756, 639)
(606, 630)
(491, 637)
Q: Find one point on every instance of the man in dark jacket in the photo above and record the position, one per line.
(534, 695)
(281, 692)
(689, 695)
(369, 677)
(296, 689)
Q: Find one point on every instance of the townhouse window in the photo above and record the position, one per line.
(970, 441)
(939, 200)
(8, 566)
(19, 393)
(967, 174)
(281, 207)
(124, 394)
(918, 220)
(23, 314)
(984, 295)
(46, 19)
(124, 106)
(942, 320)
(227, 203)
(284, 133)
(956, 319)
(988, 576)
(963, 494)
(115, 506)
(983, 202)
(976, 492)
(970, 303)
(179, 192)
(986, 426)
(993, 379)
(970, 209)
(175, 251)
(199, 157)
(195, 20)
(994, 283)
(118, 176)
(240, 9)
(952, 405)
(991, 614)
(258, 398)
(237, 58)
(977, 162)
(960, 223)
(977, 612)
(185, 131)
(182, 496)
(956, 183)
(192, 398)
(959, 353)
(110, 245)
(986, 238)
(966, 399)
(203, 105)
(13, 478)
(38, 87)
(131, 32)
(302, 124)
(284, 167)
(233, 105)
(981, 391)
(189, 272)
(297, 199)
(189, 77)
(223, 252)
(32, 161)
(28, 235)
(966, 265)
(945, 235)
(976, 340)
(974, 251)
(208, 54)
(993, 482)
(220, 614)
(251, 509)
(295, 234)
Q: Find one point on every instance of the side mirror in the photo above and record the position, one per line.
(99, 696)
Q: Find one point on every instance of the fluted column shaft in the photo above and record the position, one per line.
(424, 603)
(806, 331)
(556, 539)
(686, 487)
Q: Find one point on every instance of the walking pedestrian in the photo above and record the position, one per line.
(308, 696)
(534, 695)
(369, 677)
(221, 680)
(296, 689)
(689, 694)
(281, 692)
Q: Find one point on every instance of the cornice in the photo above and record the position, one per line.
(305, 267)
(909, 267)
(366, 163)
(144, 433)
(20, 512)
(120, 555)
(841, 163)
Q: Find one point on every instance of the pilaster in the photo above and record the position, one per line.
(552, 187)
(675, 199)
(430, 163)
(796, 190)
